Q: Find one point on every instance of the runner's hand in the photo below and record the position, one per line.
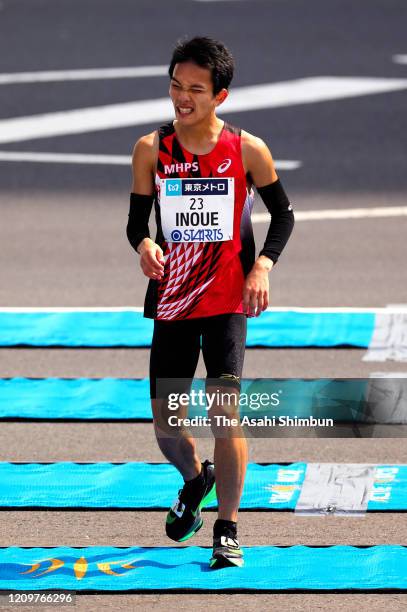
(151, 259)
(256, 288)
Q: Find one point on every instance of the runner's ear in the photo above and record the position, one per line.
(221, 96)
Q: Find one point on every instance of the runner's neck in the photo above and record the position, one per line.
(200, 139)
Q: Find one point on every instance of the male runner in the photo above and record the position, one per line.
(204, 278)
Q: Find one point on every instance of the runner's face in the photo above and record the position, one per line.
(191, 92)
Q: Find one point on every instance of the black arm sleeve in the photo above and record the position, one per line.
(282, 219)
(139, 214)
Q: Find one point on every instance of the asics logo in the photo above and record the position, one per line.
(225, 541)
(224, 166)
(178, 508)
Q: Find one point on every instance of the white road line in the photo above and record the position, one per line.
(345, 213)
(44, 309)
(64, 158)
(287, 164)
(271, 95)
(82, 75)
(326, 309)
(336, 488)
(400, 59)
(85, 120)
(389, 340)
(119, 160)
(388, 375)
(388, 343)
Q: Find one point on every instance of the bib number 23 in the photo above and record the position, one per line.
(197, 210)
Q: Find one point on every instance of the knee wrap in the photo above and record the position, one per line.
(225, 380)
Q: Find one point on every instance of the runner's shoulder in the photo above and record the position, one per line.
(253, 144)
(254, 149)
(146, 148)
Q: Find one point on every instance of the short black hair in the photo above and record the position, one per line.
(207, 53)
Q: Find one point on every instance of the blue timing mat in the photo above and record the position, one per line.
(267, 568)
(79, 398)
(370, 400)
(155, 485)
(274, 328)
(112, 398)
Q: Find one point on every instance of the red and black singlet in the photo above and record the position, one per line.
(202, 279)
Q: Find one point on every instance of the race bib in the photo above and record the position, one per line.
(197, 209)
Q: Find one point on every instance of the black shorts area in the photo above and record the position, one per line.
(176, 345)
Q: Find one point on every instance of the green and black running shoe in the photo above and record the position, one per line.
(226, 551)
(184, 517)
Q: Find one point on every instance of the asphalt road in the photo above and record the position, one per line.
(62, 239)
